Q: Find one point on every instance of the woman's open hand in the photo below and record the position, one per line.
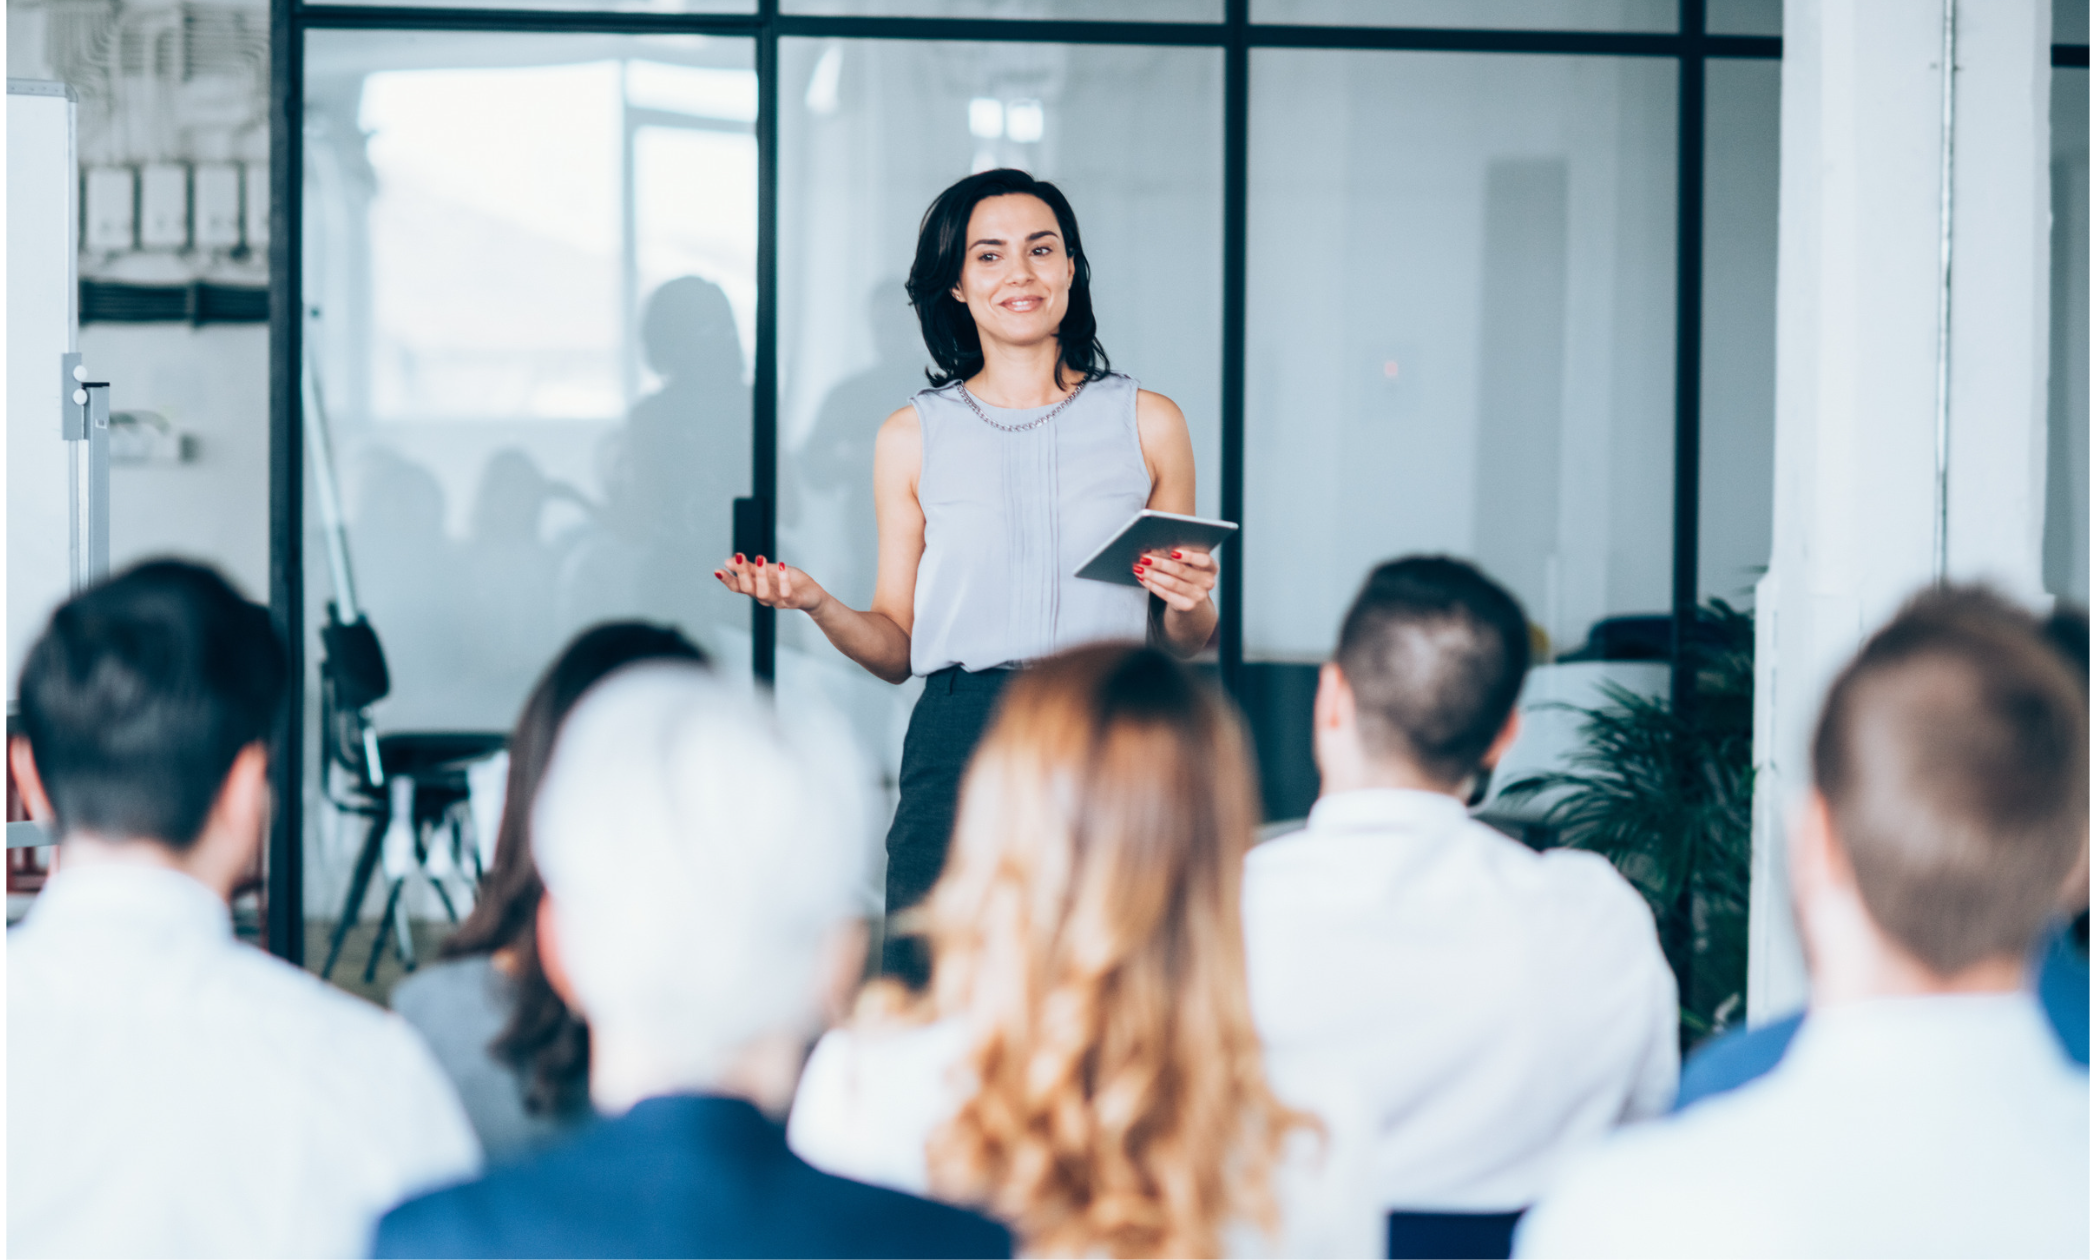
(776, 585)
(1182, 578)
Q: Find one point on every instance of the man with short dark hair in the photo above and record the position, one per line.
(1925, 1108)
(170, 1090)
(2062, 970)
(1488, 1008)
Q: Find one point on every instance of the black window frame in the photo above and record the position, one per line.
(1690, 46)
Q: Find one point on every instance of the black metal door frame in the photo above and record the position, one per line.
(1236, 35)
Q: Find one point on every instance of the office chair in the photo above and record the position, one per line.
(1450, 1235)
(410, 786)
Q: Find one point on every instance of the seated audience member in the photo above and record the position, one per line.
(1925, 1108)
(2062, 962)
(1083, 1066)
(518, 1056)
(704, 866)
(172, 1091)
(1492, 1008)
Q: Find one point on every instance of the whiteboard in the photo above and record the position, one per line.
(42, 325)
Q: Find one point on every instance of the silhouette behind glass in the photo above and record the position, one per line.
(838, 457)
(508, 577)
(408, 582)
(672, 473)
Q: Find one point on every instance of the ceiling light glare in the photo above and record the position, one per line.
(987, 118)
(1024, 121)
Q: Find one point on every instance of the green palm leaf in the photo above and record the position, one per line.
(1666, 797)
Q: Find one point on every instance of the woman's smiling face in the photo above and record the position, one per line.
(1017, 275)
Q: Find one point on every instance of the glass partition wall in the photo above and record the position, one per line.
(598, 292)
(1460, 282)
(2067, 529)
(530, 277)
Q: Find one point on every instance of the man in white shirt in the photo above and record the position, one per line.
(1925, 1107)
(1484, 1008)
(171, 1091)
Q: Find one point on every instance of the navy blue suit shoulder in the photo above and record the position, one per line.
(679, 1176)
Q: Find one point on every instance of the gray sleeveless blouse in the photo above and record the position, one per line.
(1010, 515)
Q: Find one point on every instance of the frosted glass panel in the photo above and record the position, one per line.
(871, 131)
(532, 258)
(1540, 15)
(2067, 528)
(594, 6)
(1745, 17)
(1067, 10)
(1738, 326)
(1460, 331)
(2070, 21)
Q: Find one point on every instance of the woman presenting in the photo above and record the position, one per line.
(990, 489)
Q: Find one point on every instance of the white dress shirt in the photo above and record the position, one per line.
(174, 1092)
(1492, 1009)
(870, 1099)
(1937, 1126)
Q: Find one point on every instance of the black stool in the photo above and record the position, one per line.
(421, 775)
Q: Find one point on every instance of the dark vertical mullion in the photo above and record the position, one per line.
(765, 370)
(1684, 560)
(284, 918)
(1691, 190)
(1232, 394)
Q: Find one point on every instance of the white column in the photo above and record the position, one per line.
(1854, 490)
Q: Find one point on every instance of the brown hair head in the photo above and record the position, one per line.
(1087, 932)
(1435, 653)
(1952, 754)
(544, 1039)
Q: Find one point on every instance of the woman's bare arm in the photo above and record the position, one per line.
(1182, 579)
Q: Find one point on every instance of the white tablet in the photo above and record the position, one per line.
(1151, 531)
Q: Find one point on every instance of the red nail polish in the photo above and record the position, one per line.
(739, 557)
(1177, 555)
(783, 566)
(718, 573)
(761, 562)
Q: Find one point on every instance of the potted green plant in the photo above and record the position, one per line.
(1666, 796)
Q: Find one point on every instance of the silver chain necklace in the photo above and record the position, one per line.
(1045, 418)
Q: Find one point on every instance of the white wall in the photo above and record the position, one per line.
(40, 330)
(211, 382)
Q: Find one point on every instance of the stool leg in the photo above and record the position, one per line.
(354, 900)
(465, 851)
(444, 898)
(470, 843)
(386, 920)
(404, 940)
(436, 885)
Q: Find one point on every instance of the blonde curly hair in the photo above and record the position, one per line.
(1086, 931)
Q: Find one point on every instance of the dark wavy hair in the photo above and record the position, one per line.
(544, 1040)
(949, 329)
